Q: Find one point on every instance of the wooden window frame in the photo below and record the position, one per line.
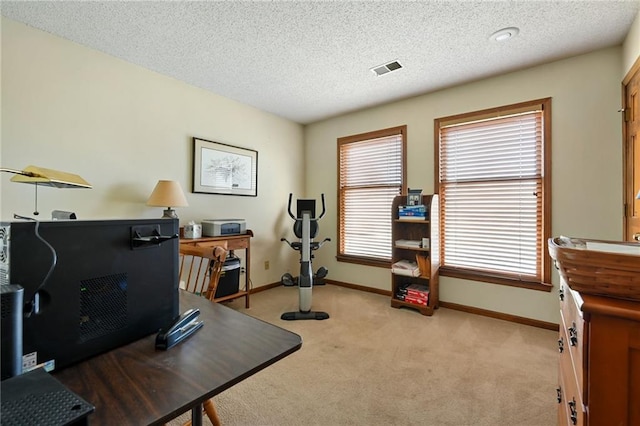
(349, 258)
(544, 283)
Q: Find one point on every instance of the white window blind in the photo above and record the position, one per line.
(491, 183)
(371, 175)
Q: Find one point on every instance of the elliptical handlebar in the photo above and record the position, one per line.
(323, 209)
(289, 207)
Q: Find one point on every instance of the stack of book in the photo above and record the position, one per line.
(418, 212)
(413, 293)
(406, 267)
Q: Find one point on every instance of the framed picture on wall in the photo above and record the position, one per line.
(224, 169)
(414, 197)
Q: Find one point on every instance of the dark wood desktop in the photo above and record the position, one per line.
(138, 385)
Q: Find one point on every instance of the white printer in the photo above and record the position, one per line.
(221, 227)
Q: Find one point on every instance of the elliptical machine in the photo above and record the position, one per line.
(305, 228)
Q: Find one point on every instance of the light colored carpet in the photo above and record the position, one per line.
(370, 364)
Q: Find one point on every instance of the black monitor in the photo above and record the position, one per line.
(90, 286)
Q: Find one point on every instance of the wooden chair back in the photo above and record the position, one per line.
(200, 268)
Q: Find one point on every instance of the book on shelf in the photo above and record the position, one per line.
(412, 218)
(418, 208)
(409, 243)
(415, 300)
(417, 290)
(410, 212)
(413, 293)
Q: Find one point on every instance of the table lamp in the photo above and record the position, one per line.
(167, 193)
(46, 177)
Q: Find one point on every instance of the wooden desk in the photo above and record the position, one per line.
(138, 385)
(231, 242)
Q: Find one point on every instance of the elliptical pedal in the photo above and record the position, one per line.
(318, 277)
(288, 280)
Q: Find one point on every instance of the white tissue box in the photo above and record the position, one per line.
(192, 231)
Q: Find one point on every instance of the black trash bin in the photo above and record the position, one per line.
(229, 282)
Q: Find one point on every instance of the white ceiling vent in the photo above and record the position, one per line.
(386, 68)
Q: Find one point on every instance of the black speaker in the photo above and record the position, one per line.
(11, 324)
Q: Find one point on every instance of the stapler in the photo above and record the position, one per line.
(183, 327)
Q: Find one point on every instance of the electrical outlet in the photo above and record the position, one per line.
(266, 265)
(242, 271)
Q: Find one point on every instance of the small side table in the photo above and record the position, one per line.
(231, 242)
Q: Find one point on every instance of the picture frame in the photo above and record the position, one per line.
(219, 168)
(414, 197)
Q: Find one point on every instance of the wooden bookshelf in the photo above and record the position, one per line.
(410, 231)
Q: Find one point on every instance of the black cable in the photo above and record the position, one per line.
(54, 262)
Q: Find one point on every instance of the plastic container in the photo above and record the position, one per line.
(229, 282)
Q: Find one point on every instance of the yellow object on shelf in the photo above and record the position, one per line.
(424, 264)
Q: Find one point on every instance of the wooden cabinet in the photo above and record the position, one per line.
(599, 373)
(231, 243)
(428, 258)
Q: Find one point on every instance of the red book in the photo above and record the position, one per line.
(416, 300)
(418, 290)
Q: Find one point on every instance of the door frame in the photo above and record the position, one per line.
(627, 165)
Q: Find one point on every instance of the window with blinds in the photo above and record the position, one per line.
(371, 170)
(494, 189)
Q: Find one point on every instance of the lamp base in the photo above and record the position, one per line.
(169, 213)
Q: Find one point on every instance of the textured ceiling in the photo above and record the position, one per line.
(310, 60)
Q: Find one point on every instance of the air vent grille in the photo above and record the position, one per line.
(386, 68)
(103, 306)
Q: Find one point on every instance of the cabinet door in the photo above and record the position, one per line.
(614, 371)
(563, 414)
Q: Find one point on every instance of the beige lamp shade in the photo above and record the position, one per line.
(168, 193)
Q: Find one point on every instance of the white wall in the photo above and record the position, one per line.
(122, 127)
(586, 157)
